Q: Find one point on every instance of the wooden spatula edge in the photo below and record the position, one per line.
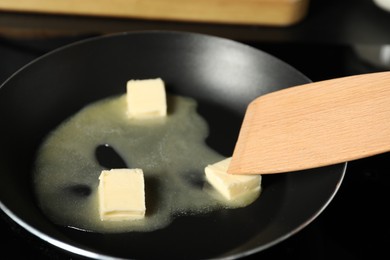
(315, 125)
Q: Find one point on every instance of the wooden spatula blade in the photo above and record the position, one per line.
(315, 125)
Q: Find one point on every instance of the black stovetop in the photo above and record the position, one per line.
(356, 224)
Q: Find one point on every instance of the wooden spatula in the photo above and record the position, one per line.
(315, 125)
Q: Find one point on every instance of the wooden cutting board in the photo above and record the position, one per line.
(256, 12)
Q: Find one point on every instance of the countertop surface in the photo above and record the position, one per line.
(327, 22)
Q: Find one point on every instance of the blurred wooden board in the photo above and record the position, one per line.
(256, 12)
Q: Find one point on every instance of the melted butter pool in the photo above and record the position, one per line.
(171, 151)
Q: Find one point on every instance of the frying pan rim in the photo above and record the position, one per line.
(303, 225)
(89, 253)
(144, 32)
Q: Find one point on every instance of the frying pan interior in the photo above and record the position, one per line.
(222, 75)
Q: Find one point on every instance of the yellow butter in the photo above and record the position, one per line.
(229, 185)
(121, 194)
(146, 98)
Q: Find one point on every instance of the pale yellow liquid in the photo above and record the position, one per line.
(171, 151)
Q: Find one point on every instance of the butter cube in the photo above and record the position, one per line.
(229, 185)
(121, 194)
(146, 98)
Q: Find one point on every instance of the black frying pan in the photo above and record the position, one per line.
(222, 75)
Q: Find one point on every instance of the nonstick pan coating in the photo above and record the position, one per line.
(222, 75)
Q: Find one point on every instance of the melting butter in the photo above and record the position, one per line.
(171, 151)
